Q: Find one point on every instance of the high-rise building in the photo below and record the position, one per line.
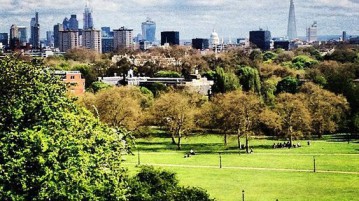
(292, 24)
(345, 37)
(68, 40)
(312, 32)
(91, 39)
(170, 37)
(149, 30)
(22, 35)
(4, 39)
(261, 39)
(66, 24)
(200, 43)
(35, 32)
(88, 20)
(73, 23)
(50, 38)
(107, 44)
(123, 38)
(107, 39)
(106, 32)
(14, 37)
(57, 28)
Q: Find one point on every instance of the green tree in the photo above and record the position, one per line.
(288, 85)
(249, 79)
(49, 148)
(98, 85)
(224, 82)
(303, 62)
(269, 56)
(160, 185)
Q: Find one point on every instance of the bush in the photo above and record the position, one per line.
(171, 74)
(152, 184)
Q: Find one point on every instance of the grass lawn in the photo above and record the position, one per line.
(267, 174)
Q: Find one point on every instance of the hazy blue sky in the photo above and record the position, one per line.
(193, 18)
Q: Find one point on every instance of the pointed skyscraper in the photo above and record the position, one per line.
(88, 21)
(292, 26)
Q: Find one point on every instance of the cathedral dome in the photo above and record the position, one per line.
(214, 38)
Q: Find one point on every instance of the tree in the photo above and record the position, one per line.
(294, 116)
(303, 62)
(174, 111)
(154, 184)
(249, 79)
(120, 106)
(49, 148)
(326, 108)
(82, 55)
(236, 112)
(288, 85)
(224, 82)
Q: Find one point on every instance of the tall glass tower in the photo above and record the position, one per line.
(292, 26)
(149, 30)
(88, 21)
(35, 32)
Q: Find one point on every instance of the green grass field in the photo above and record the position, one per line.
(267, 174)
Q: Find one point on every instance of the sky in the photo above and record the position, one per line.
(192, 18)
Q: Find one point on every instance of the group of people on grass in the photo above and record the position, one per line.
(286, 145)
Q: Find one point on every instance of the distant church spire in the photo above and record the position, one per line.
(292, 26)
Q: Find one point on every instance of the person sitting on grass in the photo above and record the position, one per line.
(192, 152)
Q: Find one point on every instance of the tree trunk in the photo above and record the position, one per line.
(239, 139)
(291, 140)
(179, 143)
(247, 144)
(225, 139)
(174, 136)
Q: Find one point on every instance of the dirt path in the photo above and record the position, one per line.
(248, 168)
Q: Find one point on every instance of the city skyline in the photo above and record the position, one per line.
(192, 19)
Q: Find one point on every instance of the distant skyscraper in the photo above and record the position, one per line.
(73, 23)
(312, 32)
(260, 38)
(91, 39)
(149, 30)
(66, 24)
(57, 29)
(14, 37)
(292, 25)
(4, 39)
(345, 38)
(88, 21)
(107, 39)
(35, 32)
(170, 37)
(50, 38)
(22, 35)
(200, 43)
(123, 38)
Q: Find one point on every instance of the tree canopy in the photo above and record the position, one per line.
(50, 148)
